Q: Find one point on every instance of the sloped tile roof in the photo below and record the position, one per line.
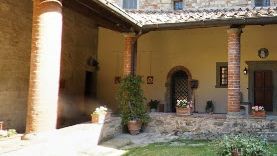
(161, 17)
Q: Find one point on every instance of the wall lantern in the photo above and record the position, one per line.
(245, 71)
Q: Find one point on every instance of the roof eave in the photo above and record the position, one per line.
(210, 23)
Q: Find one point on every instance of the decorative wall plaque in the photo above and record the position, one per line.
(263, 53)
(150, 79)
(117, 79)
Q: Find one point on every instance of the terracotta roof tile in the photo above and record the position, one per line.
(146, 17)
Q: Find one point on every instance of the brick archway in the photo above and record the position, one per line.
(168, 101)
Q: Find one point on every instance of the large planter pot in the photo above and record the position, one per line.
(153, 110)
(182, 111)
(258, 114)
(134, 127)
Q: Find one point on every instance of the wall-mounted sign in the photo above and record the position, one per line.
(150, 79)
(263, 53)
(117, 79)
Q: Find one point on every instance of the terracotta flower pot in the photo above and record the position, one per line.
(134, 127)
(98, 118)
(235, 153)
(258, 114)
(182, 111)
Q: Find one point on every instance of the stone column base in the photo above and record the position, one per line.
(42, 136)
(233, 114)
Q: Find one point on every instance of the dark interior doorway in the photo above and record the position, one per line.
(90, 85)
(179, 88)
(263, 89)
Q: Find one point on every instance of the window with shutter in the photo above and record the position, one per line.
(129, 4)
(260, 3)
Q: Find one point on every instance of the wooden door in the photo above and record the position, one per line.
(263, 89)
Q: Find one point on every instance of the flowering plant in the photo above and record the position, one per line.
(258, 109)
(184, 104)
(7, 133)
(101, 110)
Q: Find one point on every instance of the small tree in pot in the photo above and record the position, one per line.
(153, 104)
(209, 107)
(131, 106)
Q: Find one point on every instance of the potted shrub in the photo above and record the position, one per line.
(100, 115)
(153, 104)
(131, 106)
(183, 107)
(258, 111)
(209, 107)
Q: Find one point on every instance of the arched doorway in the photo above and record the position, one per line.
(177, 82)
(179, 88)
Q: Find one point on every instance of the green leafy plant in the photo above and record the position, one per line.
(209, 105)
(243, 145)
(7, 133)
(130, 98)
(153, 104)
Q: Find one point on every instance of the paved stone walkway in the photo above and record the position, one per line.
(113, 147)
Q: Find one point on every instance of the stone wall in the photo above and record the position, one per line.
(210, 127)
(189, 4)
(15, 51)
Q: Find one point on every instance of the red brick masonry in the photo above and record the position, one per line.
(234, 71)
(45, 66)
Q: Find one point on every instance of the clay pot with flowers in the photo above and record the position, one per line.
(183, 107)
(100, 115)
(258, 111)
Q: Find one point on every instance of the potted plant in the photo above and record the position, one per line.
(183, 107)
(258, 111)
(100, 115)
(209, 107)
(153, 104)
(131, 106)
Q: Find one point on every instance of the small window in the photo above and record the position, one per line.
(178, 5)
(261, 3)
(221, 75)
(129, 4)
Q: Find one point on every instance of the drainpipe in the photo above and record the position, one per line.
(134, 51)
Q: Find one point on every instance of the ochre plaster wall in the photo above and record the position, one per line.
(79, 42)
(196, 49)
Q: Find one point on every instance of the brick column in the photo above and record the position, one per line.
(234, 71)
(127, 54)
(44, 66)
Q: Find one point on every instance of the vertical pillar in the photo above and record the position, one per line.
(127, 54)
(44, 66)
(234, 71)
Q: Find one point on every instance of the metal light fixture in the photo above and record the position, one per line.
(245, 71)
